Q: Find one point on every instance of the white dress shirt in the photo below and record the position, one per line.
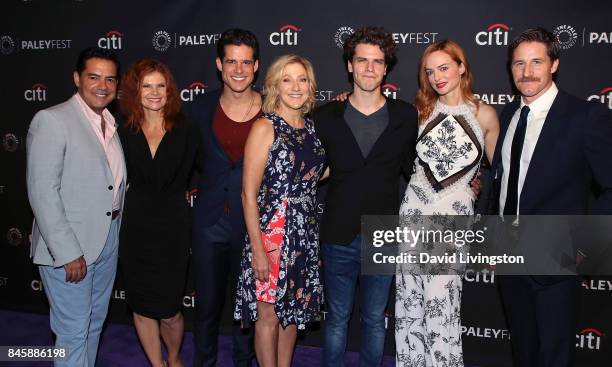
(538, 110)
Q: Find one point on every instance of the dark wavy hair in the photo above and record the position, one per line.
(130, 105)
(374, 36)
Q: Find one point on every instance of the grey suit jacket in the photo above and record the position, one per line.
(69, 180)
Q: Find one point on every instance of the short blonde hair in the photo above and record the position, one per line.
(273, 78)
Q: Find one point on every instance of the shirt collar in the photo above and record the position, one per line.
(543, 103)
(91, 115)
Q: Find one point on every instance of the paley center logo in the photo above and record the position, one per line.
(485, 332)
(112, 40)
(390, 91)
(10, 142)
(323, 95)
(414, 37)
(495, 99)
(7, 44)
(604, 97)
(566, 35)
(287, 35)
(495, 35)
(14, 237)
(193, 90)
(37, 93)
(589, 338)
(600, 37)
(342, 34)
(597, 285)
(162, 40)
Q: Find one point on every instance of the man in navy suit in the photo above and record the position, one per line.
(225, 117)
(552, 150)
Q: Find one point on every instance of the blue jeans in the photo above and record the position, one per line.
(78, 310)
(342, 268)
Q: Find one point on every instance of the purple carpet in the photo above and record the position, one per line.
(119, 345)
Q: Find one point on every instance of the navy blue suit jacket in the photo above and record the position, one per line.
(572, 156)
(220, 180)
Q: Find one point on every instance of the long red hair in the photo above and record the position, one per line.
(426, 96)
(130, 105)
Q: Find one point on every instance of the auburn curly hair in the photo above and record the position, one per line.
(130, 105)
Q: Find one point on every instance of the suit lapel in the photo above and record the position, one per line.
(209, 120)
(544, 150)
(505, 123)
(345, 130)
(92, 138)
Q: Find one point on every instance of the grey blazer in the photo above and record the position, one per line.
(69, 186)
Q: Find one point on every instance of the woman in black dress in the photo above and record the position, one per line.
(160, 149)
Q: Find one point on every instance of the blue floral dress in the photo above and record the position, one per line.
(287, 195)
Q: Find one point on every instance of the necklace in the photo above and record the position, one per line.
(249, 110)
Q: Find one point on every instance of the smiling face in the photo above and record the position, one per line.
(443, 73)
(237, 67)
(368, 67)
(153, 91)
(97, 83)
(294, 87)
(532, 70)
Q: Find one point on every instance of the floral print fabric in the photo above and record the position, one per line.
(288, 190)
(427, 306)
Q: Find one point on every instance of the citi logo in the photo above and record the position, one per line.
(287, 35)
(193, 194)
(36, 285)
(189, 300)
(38, 93)
(112, 41)
(495, 35)
(3, 281)
(589, 338)
(194, 89)
(604, 97)
(390, 91)
(483, 276)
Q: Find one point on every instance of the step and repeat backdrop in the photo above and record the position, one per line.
(39, 42)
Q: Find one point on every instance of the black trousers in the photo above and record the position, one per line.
(216, 253)
(542, 314)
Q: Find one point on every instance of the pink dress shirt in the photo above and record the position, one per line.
(111, 145)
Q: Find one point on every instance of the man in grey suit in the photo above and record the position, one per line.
(76, 180)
